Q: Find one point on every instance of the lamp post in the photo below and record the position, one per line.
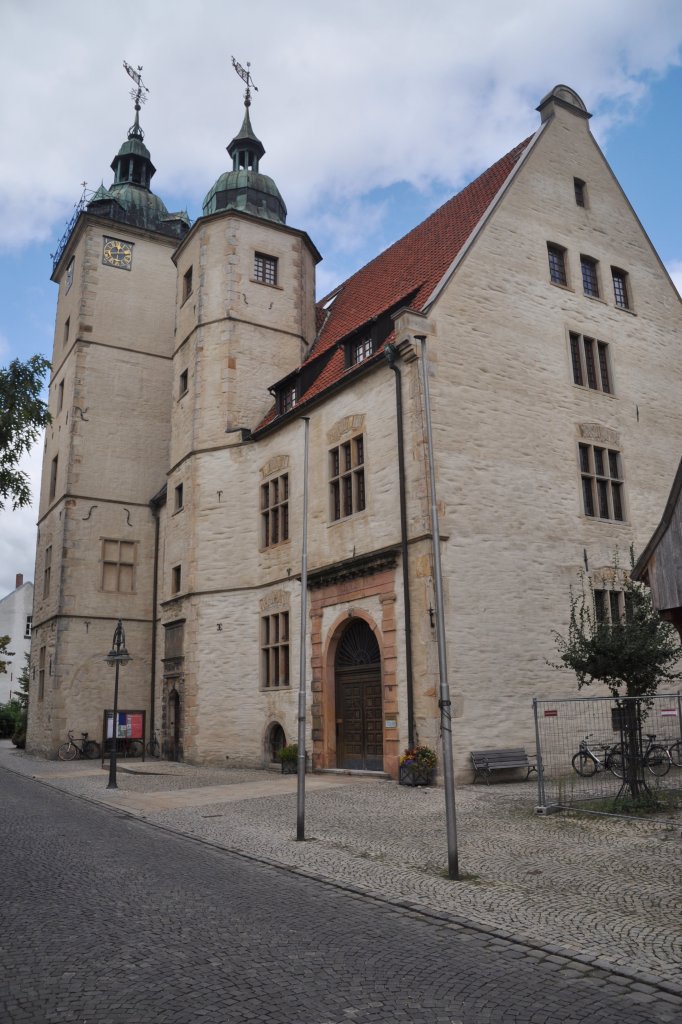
(117, 656)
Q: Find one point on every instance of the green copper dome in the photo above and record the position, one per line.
(129, 198)
(244, 188)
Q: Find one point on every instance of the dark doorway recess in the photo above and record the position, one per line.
(359, 719)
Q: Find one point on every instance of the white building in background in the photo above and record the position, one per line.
(16, 611)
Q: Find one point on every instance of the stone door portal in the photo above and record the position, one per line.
(359, 717)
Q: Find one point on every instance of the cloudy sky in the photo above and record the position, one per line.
(373, 112)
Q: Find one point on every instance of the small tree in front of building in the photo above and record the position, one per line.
(631, 652)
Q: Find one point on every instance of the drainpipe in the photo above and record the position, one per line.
(155, 588)
(390, 352)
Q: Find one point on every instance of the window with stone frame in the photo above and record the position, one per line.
(590, 362)
(274, 647)
(265, 268)
(588, 269)
(68, 279)
(580, 192)
(347, 478)
(556, 255)
(176, 579)
(118, 566)
(41, 673)
(611, 605)
(54, 467)
(274, 505)
(602, 482)
(187, 284)
(29, 625)
(47, 570)
(620, 288)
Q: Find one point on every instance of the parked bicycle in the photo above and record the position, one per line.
(655, 757)
(674, 748)
(587, 761)
(73, 749)
(153, 746)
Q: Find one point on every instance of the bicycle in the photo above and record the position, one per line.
(587, 763)
(132, 748)
(656, 758)
(153, 746)
(674, 748)
(83, 747)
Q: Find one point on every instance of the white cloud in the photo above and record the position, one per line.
(352, 96)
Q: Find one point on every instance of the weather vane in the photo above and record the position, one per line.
(138, 96)
(245, 75)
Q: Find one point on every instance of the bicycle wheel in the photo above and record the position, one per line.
(615, 762)
(91, 750)
(67, 752)
(584, 764)
(657, 760)
(135, 748)
(675, 751)
(153, 748)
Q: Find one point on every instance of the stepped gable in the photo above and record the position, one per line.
(410, 269)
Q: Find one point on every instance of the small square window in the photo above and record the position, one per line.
(187, 285)
(580, 192)
(588, 267)
(265, 268)
(557, 264)
(179, 497)
(184, 382)
(176, 579)
(360, 350)
(620, 288)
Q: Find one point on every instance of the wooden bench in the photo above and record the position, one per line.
(486, 762)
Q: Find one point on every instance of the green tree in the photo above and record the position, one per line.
(4, 653)
(631, 654)
(23, 414)
(21, 702)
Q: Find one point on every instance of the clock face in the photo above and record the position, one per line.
(117, 253)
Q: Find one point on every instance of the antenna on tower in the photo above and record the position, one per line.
(138, 96)
(245, 75)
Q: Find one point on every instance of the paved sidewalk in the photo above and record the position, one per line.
(605, 892)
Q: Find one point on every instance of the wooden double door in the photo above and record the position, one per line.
(359, 719)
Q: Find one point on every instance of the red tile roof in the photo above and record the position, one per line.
(412, 266)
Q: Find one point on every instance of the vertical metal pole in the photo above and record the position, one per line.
(538, 752)
(444, 703)
(300, 793)
(679, 714)
(112, 756)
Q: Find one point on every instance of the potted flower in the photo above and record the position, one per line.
(417, 766)
(288, 757)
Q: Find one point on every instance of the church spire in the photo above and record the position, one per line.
(245, 188)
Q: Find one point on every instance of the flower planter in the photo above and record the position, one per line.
(289, 767)
(415, 775)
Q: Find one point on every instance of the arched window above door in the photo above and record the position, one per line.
(358, 646)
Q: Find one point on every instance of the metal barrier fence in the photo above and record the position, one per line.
(597, 753)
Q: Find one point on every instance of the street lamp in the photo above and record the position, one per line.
(118, 655)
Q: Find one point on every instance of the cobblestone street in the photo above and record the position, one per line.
(604, 893)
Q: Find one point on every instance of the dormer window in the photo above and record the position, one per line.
(287, 398)
(360, 349)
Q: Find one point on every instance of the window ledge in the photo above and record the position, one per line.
(266, 284)
(345, 519)
(622, 309)
(594, 391)
(564, 287)
(595, 298)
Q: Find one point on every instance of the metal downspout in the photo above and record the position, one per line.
(391, 356)
(155, 589)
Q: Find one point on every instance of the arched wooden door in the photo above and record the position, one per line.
(359, 718)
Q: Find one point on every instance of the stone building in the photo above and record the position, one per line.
(16, 610)
(185, 361)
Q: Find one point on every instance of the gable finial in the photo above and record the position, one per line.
(245, 75)
(139, 96)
